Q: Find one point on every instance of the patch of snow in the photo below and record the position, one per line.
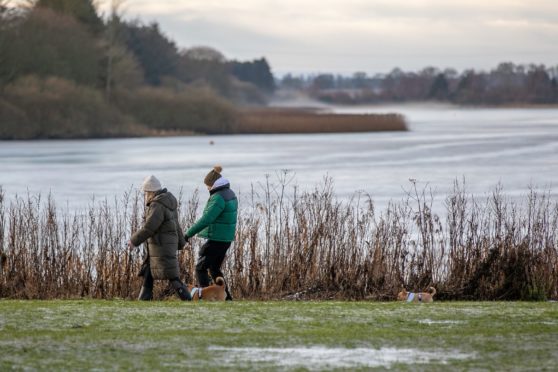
(319, 357)
(430, 321)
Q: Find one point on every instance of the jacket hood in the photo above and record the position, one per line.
(220, 183)
(166, 199)
(224, 184)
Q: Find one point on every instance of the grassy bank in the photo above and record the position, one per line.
(275, 120)
(167, 335)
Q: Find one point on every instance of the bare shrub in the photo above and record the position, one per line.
(32, 107)
(185, 110)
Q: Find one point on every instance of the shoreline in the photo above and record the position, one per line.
(321, 106)
(269, 120)
(306, 119)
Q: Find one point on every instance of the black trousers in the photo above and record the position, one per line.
(212, 255)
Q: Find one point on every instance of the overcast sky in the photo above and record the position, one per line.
(373, 36)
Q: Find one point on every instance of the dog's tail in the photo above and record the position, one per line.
(220, 281)
(432, 291)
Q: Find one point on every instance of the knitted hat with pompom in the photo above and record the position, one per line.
(151, 183)
(213, 175)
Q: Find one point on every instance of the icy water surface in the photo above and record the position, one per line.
(516, 147)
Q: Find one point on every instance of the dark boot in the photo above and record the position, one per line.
(181, 290)
(201, 273)
(146, 294)
(228, 297)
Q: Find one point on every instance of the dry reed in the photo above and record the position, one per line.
(256, 121)
(299, 245)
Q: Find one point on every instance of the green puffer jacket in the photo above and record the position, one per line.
(218, 221)
(163, 235)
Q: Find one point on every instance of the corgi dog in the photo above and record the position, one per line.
(418, 296)
(214, 292)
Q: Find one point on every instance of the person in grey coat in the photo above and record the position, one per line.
(163, 236)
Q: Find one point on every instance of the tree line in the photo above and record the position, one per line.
(508, 83)
(68, 71)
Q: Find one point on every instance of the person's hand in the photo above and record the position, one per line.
(131, 245)
(186, 245)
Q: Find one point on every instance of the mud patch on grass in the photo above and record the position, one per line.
(318, 357)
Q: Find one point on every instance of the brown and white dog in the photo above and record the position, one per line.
(417, 297)
(215, 292)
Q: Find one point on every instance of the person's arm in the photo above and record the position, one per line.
(154, 219)
(181, 240)
(215, 206)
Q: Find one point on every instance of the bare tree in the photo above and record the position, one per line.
(116, 11)
(5, 12)
(25, 4)
(204, 53)
(4, 4)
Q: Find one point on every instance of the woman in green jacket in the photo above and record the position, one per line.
(217, 225)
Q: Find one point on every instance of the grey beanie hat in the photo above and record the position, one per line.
(151, 183)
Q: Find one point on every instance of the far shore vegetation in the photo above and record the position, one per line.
(68, 71)
(507, 85)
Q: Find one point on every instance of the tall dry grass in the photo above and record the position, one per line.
(271, 121)
(299, 245)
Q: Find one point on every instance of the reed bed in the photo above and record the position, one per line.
(276, 121)
(294, 244)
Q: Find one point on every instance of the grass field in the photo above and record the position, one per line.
(170, 335)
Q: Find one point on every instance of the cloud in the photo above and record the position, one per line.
(370, 35)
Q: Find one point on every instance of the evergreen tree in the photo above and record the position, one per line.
(157, 55)
(256, 72)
